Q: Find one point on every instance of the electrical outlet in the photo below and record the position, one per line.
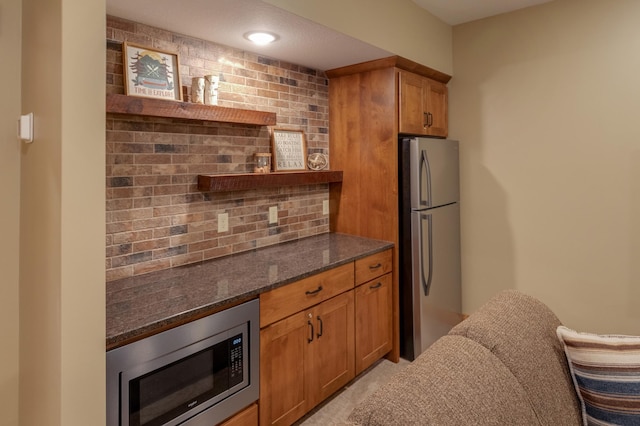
(273, 215)
(325, 207)
(223, 222)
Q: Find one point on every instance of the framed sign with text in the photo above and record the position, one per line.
(151, 73)
(289, 148)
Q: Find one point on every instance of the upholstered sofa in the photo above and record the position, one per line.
(503, 365)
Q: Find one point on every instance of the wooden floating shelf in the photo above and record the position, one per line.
(239, 182)
(123, 104)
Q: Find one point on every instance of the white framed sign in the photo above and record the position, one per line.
(289, 148)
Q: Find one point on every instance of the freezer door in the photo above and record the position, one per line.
(435, 179)
(436, 277)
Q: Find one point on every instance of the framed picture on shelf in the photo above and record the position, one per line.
(151, 73)
(289, 148)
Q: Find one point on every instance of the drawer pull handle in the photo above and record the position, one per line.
(374, 286)
(321, 327)
(310, 339)
(376, 266)
(314, 292)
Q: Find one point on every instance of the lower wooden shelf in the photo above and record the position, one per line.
(239, 182)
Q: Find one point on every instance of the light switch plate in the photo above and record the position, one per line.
(223, 222)
(273, 215)
(25, 127)
(325, 207)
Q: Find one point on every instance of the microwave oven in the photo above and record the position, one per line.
(196, 374)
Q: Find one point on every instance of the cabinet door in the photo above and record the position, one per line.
(437, 106)
(413, 118)
(423, 106)
(331, 357)
(283, 379)
(373, 321)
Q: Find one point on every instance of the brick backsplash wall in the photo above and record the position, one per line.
(156, 217)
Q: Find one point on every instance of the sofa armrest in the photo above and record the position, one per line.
(455, 382)
(521, 331)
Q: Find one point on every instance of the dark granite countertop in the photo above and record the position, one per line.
(144, 304)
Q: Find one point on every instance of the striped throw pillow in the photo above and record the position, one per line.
(606, 373)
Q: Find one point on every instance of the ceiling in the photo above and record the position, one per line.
(455, 12)
(302, 41)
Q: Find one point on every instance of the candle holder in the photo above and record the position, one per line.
(263, 163)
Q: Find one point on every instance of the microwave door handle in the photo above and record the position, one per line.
(426, 281)
(425, 180)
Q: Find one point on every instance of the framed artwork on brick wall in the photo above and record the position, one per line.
(289, 148)
(151, 73)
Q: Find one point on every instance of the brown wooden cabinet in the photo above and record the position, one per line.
(284, 397)
(364, 118)
(318, 333)
(423, 105)
(305, 358)
(331, 361)
(373, 308)
(305, 355)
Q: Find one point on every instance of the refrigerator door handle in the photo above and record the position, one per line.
(426, 282)
(425, 182)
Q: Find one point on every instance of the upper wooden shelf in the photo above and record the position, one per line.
(123, 104)
(239, 182)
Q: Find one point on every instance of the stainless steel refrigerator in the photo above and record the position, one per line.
(430, 276)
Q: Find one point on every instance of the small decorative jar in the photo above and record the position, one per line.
(211, 89)
(263, 163)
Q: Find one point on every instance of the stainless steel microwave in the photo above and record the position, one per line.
(199, 373)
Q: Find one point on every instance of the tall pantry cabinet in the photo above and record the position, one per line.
(370, 105)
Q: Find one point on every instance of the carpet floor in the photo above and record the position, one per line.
(335, 410)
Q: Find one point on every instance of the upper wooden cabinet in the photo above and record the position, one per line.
(423, 105)
(420, 94)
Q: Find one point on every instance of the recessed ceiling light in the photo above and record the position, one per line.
(261, 38)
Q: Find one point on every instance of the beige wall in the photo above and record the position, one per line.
(10, 211)
(398, 26)
(62, 215)
(545, 102)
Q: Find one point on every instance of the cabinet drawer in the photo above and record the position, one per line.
(289, 299)
(247, 417)
(373, 266)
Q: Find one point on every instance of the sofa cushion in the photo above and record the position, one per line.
(454, 382)
(606, 373)
(521, 332)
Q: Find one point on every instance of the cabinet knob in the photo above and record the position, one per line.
(376, 266)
